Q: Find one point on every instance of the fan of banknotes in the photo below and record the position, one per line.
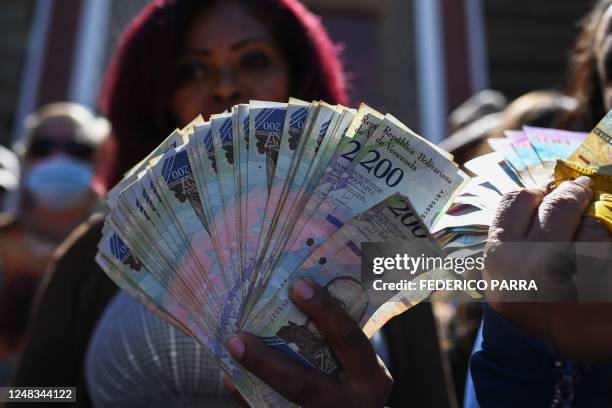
(210, 228)
(531, 157)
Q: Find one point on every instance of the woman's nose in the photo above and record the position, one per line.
(227, 89)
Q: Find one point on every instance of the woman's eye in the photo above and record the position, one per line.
(255, 60)
(193, 71)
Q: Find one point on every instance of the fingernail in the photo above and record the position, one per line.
(302, 289)
(592, 224)
(235, 346)
(585, 181)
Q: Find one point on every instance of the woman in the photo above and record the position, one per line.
(162, 77)
(58, 158)
(177, 59)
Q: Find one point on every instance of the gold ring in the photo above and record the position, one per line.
(553, 184)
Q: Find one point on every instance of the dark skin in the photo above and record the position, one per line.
(580, 331)
(364, 382)
(229, 57)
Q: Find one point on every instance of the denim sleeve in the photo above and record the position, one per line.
(512, 369)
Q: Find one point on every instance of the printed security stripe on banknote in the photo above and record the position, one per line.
(308, 157)
(330, 132)
(223, 140)
(205, 170)
(325, 119)
(292, 131)
(266, 121)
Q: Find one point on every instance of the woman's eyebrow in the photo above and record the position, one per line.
(236, 45)
(248, 41)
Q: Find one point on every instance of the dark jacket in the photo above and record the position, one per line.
(513, 369)
(72, 298)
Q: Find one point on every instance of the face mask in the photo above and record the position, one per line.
(601, 206)
(59, 182)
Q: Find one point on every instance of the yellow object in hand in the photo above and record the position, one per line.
(601, 207)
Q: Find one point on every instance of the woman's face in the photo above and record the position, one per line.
(228, 57)
(603, 55)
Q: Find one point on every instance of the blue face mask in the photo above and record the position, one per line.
(59, 182)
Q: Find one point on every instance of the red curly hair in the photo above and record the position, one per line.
(139, 82)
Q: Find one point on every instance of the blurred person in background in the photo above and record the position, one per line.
(569, 377)
(471, 121)
(59, 154)
(9, 184)
(587, 97)
(178, 59)
(58, 158)
(9, 181)
(482, 103)
(540, 108)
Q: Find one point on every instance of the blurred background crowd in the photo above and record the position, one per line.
(456, 71)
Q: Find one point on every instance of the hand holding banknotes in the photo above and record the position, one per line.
(365, 380)
(208, 230)
(525, 220)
